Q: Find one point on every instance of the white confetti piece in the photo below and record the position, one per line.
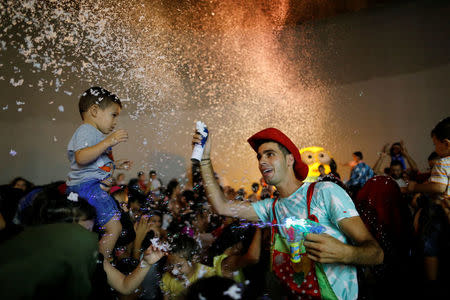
(73, 197)
(233, 292)
(12, 152)
(16, 83)
(61, 108)
(68, 93)
(5, 107)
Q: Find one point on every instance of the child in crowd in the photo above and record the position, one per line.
(440, 175)
(183, 268)
(60, 260)
(431, 219)
(92, 163)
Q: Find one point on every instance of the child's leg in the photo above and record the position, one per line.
(112, 230)
(108, 215)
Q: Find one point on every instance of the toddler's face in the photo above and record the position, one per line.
(106, 119)
(441, 147)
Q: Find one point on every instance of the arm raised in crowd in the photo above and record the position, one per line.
(216, 197)
(380, 161)
(412, 164)
(127, 284)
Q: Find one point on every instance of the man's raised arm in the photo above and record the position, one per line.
(223, 206)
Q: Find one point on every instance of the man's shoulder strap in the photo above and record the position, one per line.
(309, 195)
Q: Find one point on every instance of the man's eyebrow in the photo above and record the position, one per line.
(268, 150)
(264, 152)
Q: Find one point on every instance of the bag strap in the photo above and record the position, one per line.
(274, 221)
(309, 195)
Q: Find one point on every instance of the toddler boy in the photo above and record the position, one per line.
(91, 161)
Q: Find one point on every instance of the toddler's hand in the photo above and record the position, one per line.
(123, 164)
(117, 137)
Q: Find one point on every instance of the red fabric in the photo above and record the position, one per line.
(114, 189)
(381, 198)
(300, 168)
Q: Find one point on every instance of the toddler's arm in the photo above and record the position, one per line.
(87, 155)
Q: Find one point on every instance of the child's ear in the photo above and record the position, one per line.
(447, 143)
(93, 110)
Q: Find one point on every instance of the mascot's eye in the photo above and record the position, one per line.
(309, 156)
(321, 155)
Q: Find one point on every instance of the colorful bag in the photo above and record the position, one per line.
(310, 280)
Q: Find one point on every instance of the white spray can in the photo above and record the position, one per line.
(197, 153)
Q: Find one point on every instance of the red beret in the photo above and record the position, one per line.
(300, 168)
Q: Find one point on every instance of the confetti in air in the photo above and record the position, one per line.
(12, 152)
(233, 292)
(61, 108)
(224, 61)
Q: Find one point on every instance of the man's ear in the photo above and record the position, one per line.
(290, 159)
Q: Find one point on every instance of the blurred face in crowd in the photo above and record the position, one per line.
(21, 185)
(135, 209)
(179, 267)
(155, 221)
(322, 170)
(396, 149)
(142, 178)
(174, 207)
(396, 171)
(120, 178)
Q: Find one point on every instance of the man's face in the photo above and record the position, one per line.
(273, 164)
(396, 172)
(106, 119)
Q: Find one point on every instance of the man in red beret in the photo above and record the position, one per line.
(346, 241)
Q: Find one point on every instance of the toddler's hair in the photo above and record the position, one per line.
(442, 129)
(97, 96)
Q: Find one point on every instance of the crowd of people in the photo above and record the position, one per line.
(98, 235)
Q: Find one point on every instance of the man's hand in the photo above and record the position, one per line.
(123, 164)
(324, 248)
(117, 137)
(197, 139)
(153, 255)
